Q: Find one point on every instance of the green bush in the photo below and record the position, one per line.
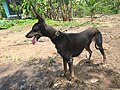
(2, 12)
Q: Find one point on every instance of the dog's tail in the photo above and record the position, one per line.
(98, 43)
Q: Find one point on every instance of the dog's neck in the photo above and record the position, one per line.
(51, 32)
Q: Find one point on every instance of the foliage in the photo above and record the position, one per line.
(92, 7)
(2, 13)
(27, 6)
(66, 9)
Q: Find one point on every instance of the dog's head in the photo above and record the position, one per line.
(37, 30)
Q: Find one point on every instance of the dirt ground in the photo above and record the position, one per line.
(24, 66)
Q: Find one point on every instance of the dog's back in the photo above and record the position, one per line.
(88, 33)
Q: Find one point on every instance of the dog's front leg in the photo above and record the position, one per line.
(70, 64)
(65, 66)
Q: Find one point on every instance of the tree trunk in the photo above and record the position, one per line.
(70, 11)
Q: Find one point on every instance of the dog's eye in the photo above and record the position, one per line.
(35, 30)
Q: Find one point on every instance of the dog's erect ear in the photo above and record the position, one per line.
(40, 19)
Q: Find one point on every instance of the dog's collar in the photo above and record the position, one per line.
(57, 33)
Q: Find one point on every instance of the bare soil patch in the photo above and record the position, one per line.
(24, 66)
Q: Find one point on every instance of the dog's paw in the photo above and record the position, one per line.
(72, 78)
(63, 75)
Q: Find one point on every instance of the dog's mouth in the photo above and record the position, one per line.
(35, 39)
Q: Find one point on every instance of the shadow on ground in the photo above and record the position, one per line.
(39, 74)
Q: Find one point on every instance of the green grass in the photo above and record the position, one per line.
(21, 26)
(60, 25)
(18, 25)
(4, 24)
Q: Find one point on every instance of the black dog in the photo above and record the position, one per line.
(68, 45)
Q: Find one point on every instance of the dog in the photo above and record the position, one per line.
(68, 45)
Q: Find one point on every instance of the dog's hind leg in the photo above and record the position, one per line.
(102, 52)
(98, 42)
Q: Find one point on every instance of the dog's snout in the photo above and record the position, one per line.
(29, 35)
(26, 35)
